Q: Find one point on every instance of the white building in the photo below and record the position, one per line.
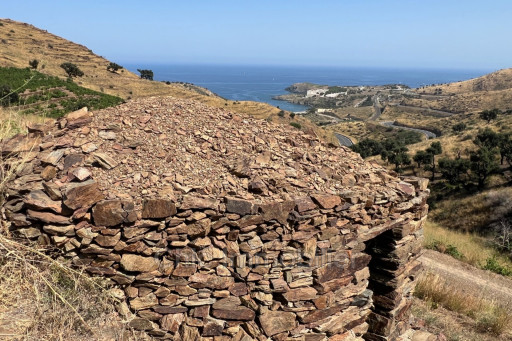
(316, 92)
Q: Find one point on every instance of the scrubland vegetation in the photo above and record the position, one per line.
(32, 92)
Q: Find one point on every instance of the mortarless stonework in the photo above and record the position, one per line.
(222, 228)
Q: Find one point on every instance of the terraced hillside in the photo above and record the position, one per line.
(21, 42)
(32, 92)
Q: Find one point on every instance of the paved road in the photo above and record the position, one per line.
(428, 134)
(344, 140)
(433, 111)
(376, 108)
(334, 118)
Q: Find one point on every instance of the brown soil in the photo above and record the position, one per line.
(473, 281)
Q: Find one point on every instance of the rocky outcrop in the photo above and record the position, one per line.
(222, 228)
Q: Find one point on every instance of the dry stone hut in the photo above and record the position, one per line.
(219, 227)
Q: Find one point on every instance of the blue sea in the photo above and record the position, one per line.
(261, 83)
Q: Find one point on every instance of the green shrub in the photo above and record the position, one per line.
(113, 67)
(33, 63)
(146, 74)
(296, 125)
(493, 265)
(72, 70)
(459, 127)
(280, 113)
(26, 79)
(8, 96)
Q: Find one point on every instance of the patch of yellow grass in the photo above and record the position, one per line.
(489, 316)
(475, 250)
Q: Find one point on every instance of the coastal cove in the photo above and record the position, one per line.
(262, 83)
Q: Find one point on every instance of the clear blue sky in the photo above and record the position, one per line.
(471, 34)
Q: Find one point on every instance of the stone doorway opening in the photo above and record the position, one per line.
(393, 269)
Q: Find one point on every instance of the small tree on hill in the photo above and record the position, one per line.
(453, 169)
(397, 155)
(490, 139)
(489, 115)
(422, 158)
(434, 149)
(72, 70)
(7, 96)
(506, 151)
(483, 164)
(459, 127)
(146, 74)
(113, 67)
(33, 63)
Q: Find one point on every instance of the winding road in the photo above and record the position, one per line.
(428, 134)
(344, 140)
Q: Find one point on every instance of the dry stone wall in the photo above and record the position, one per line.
(291, 240)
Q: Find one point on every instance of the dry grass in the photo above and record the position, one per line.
(43, 299)
(468, 247)
(488, 316)
(454, 326)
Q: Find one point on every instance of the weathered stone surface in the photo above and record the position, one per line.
(48, 173)
(108, 241)
(200, 228)
(301, 294)
(53, 157)
(78, 118)
(82, 194)
(141, 324)
(267, 238)
(113, 212)
(158, 208)
(210, 253)
(131, 262)
(240, 206)
(38, 200)
(213, 327)
(330, 271)
(82, 173)
(172, 322)
(145, 302)
(326, 201)
(19, 143)
(107, 135)
(238, 313)
(184, 270)
(73, 160)
(304, 204)
(277, 211)
(275, 322)
(193, 202)
(318, 315)
(48, 217)
(52, 190)
(211, 281)
(104, 160)
(68, 230)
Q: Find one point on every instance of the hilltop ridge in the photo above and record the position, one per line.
(21, 42)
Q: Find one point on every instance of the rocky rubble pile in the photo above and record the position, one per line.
(219, 227)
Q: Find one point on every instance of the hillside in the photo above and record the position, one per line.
(32, 92)
(22, 42)
(498, 80)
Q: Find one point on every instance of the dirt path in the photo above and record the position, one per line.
(473, 281)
